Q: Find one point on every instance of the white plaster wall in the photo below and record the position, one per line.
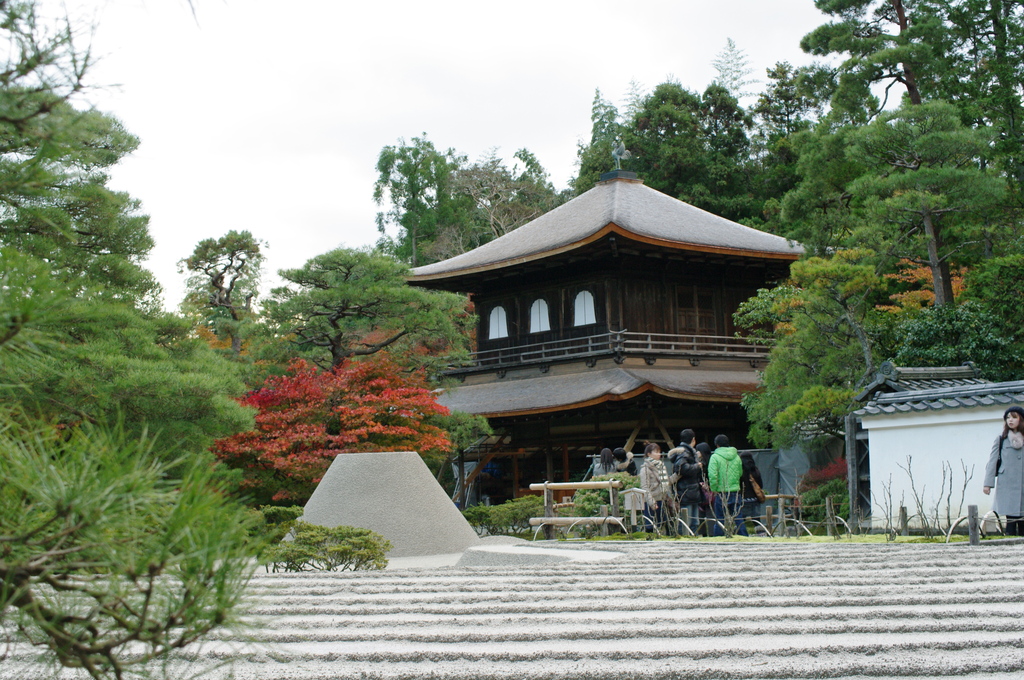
(958, 437)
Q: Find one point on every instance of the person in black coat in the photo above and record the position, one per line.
(687, 474)
(707, 511)
(624, 461)
(751, 506)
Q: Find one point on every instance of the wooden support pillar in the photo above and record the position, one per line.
(515, 474)
(852, 473)
(549, 462)
(661, 428)
(565, 462)
(649, 416)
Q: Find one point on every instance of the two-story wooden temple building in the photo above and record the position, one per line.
(604, 323)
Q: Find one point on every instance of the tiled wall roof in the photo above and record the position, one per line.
(936, 399)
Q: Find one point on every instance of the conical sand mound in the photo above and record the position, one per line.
(395, 495)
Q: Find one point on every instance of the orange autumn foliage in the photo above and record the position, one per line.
(922, 292)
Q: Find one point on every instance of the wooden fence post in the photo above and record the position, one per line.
(604, 525)
(830, 517)
(972, 525)
(549, 511)
(782, 516)
(903, 522)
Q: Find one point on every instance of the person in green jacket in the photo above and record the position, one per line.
(724, 471)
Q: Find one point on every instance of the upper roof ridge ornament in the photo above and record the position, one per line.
(620, 153)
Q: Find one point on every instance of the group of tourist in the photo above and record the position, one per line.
(715, 487)
(707, 488)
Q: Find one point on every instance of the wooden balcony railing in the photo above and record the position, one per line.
(618, 344)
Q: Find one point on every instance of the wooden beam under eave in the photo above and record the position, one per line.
(661, 428)
(479, 468)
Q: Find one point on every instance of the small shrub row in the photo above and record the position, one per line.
(316, 548)
(269, 524)
(285, 543)
(508, 519)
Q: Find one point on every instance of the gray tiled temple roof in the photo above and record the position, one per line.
(631, 208)
(936, 399)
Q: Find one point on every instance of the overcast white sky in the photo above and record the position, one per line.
(269, 116)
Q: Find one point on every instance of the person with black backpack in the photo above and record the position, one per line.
(1006, 462)
(687, 475)
(707, 504)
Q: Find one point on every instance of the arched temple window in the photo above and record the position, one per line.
(497, 326)
(583, 309)
(539, 321)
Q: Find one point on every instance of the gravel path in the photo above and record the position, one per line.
(659, 610)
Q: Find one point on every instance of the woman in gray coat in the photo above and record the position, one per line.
(1007, 463)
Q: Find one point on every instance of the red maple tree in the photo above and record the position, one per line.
(309, 416)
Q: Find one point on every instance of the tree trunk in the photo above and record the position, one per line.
(412, 236)
(339, 353)
(909, 78)
(941, 280)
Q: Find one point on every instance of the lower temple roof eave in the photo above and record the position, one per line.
(539, 396)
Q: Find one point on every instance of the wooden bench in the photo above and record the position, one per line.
(549, 521)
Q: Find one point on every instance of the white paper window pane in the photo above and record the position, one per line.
(498, 324)
(539, 317)
(583, 309)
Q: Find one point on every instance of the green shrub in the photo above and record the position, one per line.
(481, 518)
(588, 502)
(270, 524)
(317, 548)
(812, 503)
(510, 518)
(278, 514)
(514, 516)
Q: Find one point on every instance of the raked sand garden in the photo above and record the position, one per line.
(634, 609)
